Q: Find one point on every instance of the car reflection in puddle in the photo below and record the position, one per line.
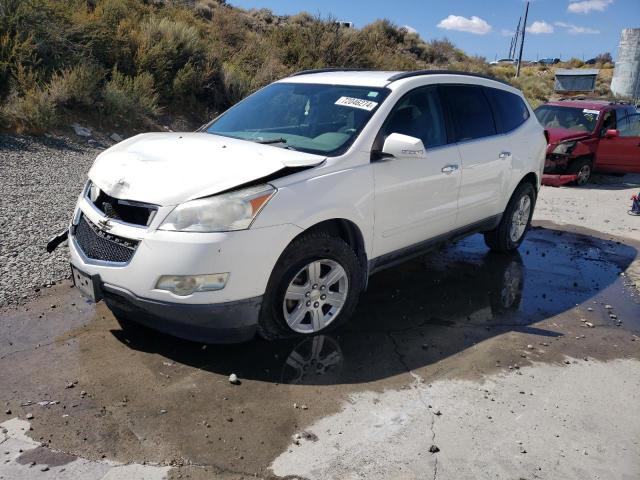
(313, 361)
(424, 310)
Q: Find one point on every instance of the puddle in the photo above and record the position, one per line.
(459, 313)
(437, 306)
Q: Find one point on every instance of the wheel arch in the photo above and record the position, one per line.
(587, 156)
(348, 231)
(531, 178)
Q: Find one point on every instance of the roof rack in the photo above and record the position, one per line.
(401, 75)
(418, 73)
(595, 99)
(325, 70)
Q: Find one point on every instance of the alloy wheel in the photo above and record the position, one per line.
(583, 175)
(520, 218)
(315, 296)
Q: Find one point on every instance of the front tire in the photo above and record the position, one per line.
(313, 288)
(515, 221)
(583, 168)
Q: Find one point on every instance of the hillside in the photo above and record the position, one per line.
(136, 65)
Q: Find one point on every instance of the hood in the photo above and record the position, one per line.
(171, 168)
(559, 134)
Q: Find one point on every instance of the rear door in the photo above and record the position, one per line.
(621, 153)
(485, 155)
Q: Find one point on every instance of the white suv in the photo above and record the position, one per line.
(271, 218)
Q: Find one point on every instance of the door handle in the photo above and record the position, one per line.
(449, 169)
(504, 155)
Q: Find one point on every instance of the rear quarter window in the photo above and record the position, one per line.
(510, 110)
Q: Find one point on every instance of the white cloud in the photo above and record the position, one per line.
(505, 32)
(474, 24)
(410, 29)
(586, 6)
(540, 26)
(575, 29)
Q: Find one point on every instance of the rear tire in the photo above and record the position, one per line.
(582, 167)
(515, 222)
(321, 278)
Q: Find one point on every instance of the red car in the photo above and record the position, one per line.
(590, 135)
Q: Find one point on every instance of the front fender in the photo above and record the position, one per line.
(344, 194)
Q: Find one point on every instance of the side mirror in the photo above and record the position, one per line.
(611, 133)
(397, 145)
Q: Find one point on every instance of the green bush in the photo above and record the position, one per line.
(129, 99)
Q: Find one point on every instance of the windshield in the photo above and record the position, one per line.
(577, 119)
(321, 119)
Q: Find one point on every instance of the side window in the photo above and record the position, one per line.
(470, 112)
(608, 122)
(418, 114)
(629, 125)
(509, 108)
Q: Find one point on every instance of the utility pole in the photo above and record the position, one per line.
(524, 29)
(514, 41)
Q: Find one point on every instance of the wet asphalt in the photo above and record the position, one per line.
(130, 394)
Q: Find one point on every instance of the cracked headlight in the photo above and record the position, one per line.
(564, 148)
(220, 213)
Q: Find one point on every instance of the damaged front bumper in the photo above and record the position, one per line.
(55, 241)
(127, 261)
(556, 164)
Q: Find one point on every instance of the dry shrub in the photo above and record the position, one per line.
(33, 112)
(573, 63)
(130, 98)
(536, 89)
(77, 86)
(504, 72)
(236, 84)
(191, 58)
(164, 47)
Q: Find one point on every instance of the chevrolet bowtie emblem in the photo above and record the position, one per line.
(105, 224)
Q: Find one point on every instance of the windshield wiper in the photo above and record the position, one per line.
(273, 140)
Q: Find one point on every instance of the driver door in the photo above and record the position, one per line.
(415, 198)
(621, 153)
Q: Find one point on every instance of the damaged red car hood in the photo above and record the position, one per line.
(557, 135)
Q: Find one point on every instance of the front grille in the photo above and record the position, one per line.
(136, 213)
(100, 245)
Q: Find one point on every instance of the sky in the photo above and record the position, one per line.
(556, 28)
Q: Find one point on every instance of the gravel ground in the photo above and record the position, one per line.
(601, 205)
(39, 182)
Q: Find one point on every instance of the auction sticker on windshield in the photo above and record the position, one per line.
(592, 112)
(356, 103)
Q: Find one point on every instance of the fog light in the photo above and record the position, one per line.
(184, 285)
